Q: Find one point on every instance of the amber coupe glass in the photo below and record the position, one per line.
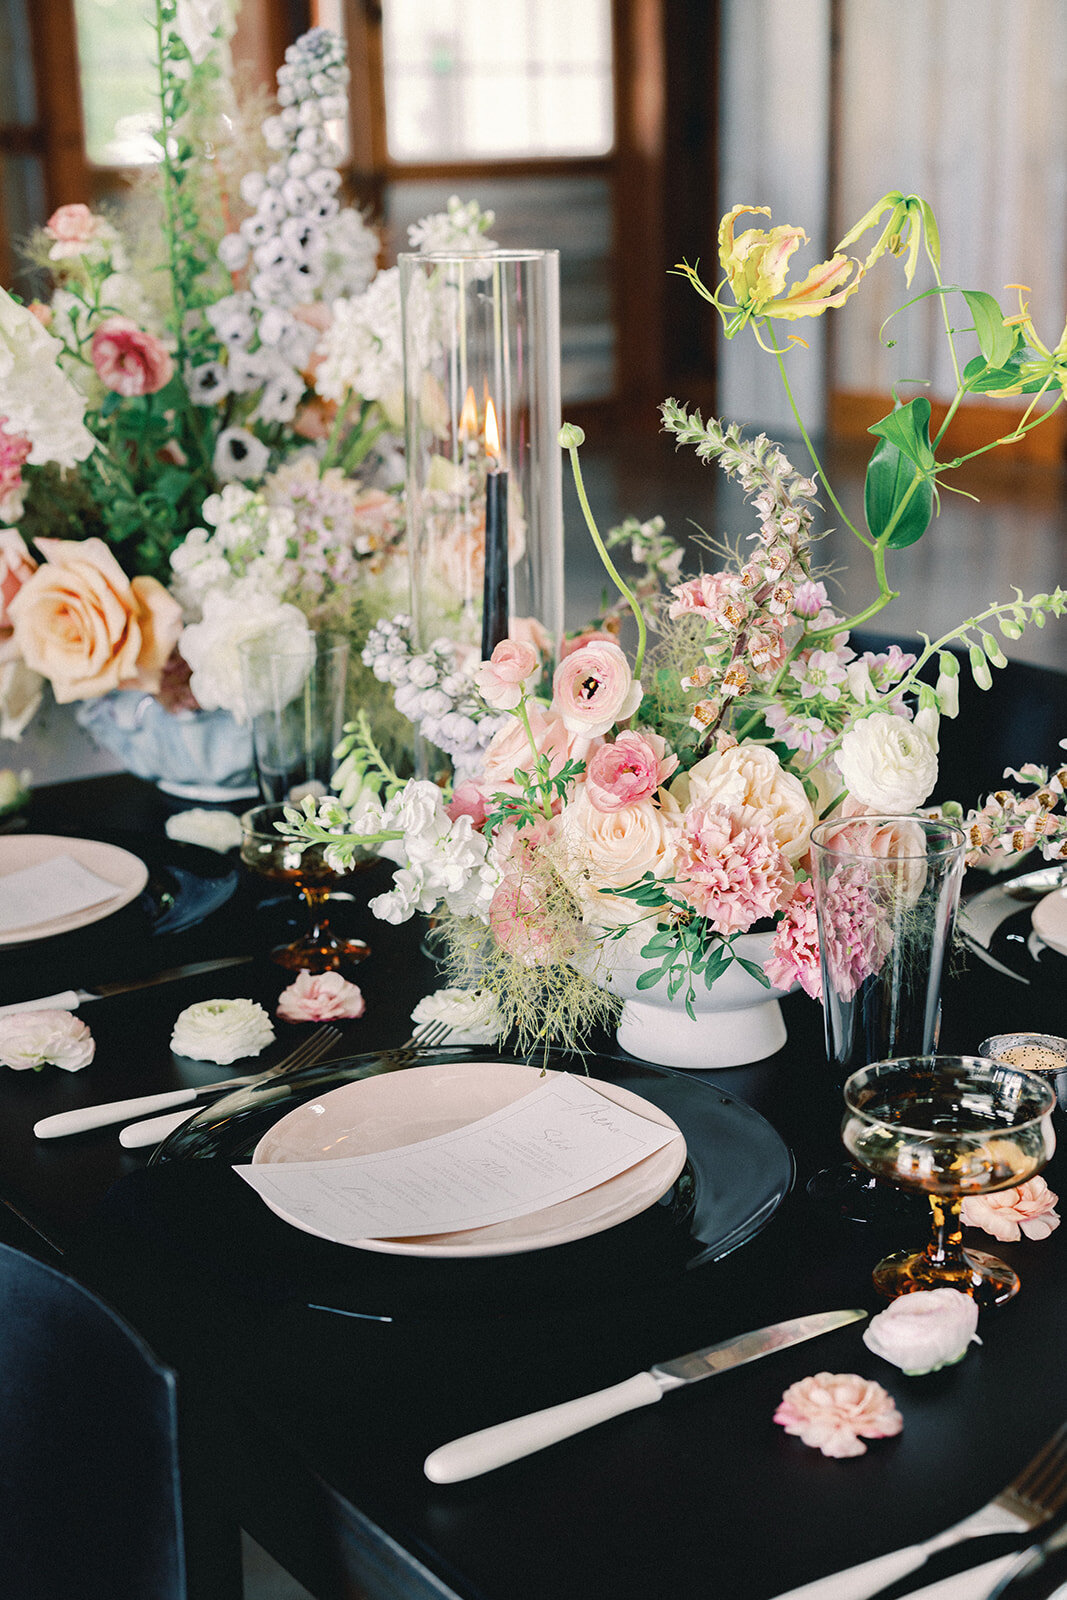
(949, 1127)
(267, 852)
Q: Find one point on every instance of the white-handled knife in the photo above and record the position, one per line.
(522, 1436)
(88, 1117)
(152, 1130)
(71, 999)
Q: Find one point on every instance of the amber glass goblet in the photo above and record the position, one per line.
(267, 852)
(948, 1127)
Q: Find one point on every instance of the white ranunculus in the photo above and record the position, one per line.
(888, 763)
(222, 1031)
(210, 646)
(213, 830)
(750, 781)
(923, 1331)
(39, 399)
(472, 1015)
(39, 1038)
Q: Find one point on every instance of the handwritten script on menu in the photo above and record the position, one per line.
(556, 1142)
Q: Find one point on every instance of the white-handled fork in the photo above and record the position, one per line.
(153, 1130)
(1029, 1500)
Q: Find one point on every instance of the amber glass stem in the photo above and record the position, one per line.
(316, 899)
(945, 1249)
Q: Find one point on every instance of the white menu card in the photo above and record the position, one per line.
(556, 1142)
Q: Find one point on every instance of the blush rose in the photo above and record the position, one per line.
(82, 624)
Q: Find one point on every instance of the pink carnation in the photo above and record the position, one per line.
(629, 770)
(729, 873)
(320, 997)
(858, 936)
(128, 360)
(1030, 1209)
(594, 688)
(835, 1412)
(14, 448)
(510, 670)
(794, 954)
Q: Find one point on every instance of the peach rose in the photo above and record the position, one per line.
(752, 783)
(1007, 1214)
(82, 624)
(594, 688)
(611, 850)
(128, 360)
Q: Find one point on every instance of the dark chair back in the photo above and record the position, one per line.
(90, 1500)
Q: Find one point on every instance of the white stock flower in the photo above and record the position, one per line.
(39, 400)
(437, 859)
(362, 349)
(41, 1038)
(450, 232)
(472, 1015)
(924, 1331)
(212, 830)
(888, 763)
(210, 646)
(222, 1031)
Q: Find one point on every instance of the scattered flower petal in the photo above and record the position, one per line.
(39, 1038)
(319, 997)
(835, 1412)
(213, 830)
(222, 1031)
(924, 1331)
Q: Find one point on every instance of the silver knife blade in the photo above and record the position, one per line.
(522, 1436)
(70, 999)
(750, 1346)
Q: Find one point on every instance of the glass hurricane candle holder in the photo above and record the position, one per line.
(948, 1127)
(483, 460)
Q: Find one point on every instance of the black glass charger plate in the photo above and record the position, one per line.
(188, 1201)
(995, 924)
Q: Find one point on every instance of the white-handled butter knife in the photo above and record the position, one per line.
(522, 1436)
(71, 999)
(152, 1130)
(88, 1117)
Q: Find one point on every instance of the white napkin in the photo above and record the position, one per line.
(54, 888)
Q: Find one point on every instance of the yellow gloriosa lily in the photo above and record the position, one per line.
(1050, 366)
(911, 220)
(756, 264)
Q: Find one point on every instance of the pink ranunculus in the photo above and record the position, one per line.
(510, 749)
(511, 670)
(794, 956)
(579, 642)
(129, 361)
(320, 997)
(73, 228)
(629, 770)
(468, 801)
(593, 689)
(730, 873)
(16, 565)
(1028, 1210)
(835, 1412)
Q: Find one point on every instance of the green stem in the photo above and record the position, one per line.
(612, 570)
(524, 716)
(809, 446)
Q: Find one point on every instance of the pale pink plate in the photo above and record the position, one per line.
(121, 869)
(401, 1108)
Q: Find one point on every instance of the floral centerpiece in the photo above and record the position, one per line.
(656, 807)
(200, 431)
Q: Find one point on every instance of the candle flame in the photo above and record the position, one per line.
(468, 417)
(492, 435)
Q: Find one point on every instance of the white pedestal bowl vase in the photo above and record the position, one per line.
(737, 1021)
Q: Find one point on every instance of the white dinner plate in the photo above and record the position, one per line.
(399, 1108)
(118, 867)
(1050, 920)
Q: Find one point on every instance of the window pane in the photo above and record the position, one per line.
(116, 51)
(477, 80)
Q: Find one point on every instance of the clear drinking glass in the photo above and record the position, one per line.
(948, 1127)
(296, 702)
(886, 894)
